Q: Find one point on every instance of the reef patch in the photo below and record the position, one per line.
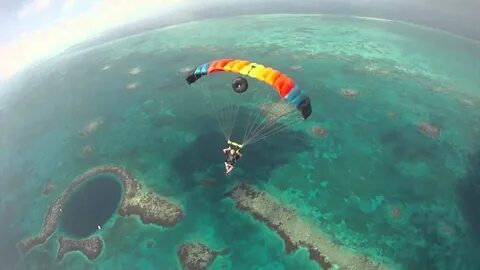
(150, 207)
(48, 188)
(349, 93)
(298, 233)
(428, 129)
(197, 256)
(319, 131)
(91, 247)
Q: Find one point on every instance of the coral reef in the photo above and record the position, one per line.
(134, 71)
(92, 126)
(428, 129)
(197, 256)
(349, 93)
(136, 201)
(319, 131)
(90, 247)
(149, 206)
(131, 86)
(48, 188)
(87, 150)
(297, 233)
(150, 243)
(296, 68)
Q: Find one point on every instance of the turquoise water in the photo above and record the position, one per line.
(374, 182)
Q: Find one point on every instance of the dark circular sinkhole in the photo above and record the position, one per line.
(91, 205)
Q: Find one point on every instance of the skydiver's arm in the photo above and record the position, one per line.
(226, 149)
(239, 155)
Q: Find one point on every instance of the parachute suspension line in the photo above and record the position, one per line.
(264, 129)
(254, 117)
(273, 131)
(258, 127)
(213, 106)
(250, 120)
(226, 117)
(254, 131)
(229, 117)
(264, 124)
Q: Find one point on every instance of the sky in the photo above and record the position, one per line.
(31, 30)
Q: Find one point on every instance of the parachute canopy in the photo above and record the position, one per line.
(284, 85)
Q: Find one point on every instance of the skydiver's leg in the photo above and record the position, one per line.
(228, 168)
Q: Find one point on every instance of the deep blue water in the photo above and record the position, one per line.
(91, 206)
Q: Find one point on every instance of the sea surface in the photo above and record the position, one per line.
(374, 181)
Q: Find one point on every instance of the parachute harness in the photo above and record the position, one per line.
(234, 145)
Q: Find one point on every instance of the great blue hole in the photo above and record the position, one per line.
(91, 205)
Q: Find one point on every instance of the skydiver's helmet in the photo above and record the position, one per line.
(232, 152)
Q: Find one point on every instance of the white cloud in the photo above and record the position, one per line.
(31, 47)
(68, 5)
(33, 7)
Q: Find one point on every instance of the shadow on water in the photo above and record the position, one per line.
(203, 158)
(418, 148)
(205, 154)
(468, 195)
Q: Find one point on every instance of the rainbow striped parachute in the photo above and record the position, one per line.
(284, 85)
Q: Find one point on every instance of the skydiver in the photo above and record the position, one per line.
(233, 154)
